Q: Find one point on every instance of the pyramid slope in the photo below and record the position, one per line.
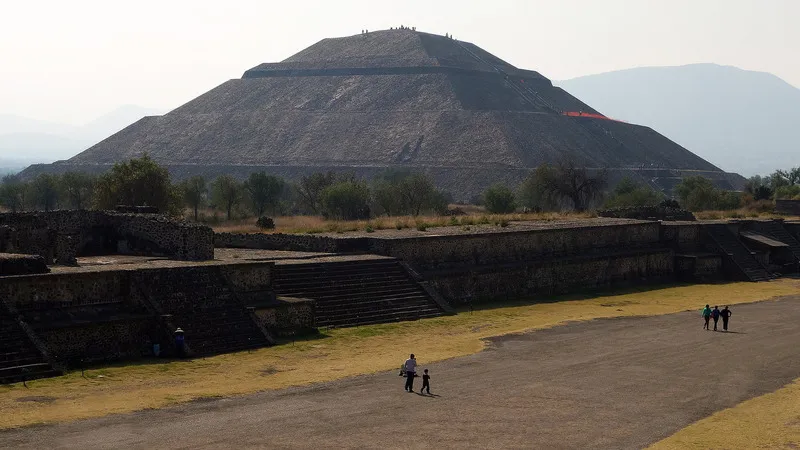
(391, 99)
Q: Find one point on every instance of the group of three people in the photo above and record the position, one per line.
(715, 314)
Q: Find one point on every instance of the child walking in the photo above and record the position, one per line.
(426, 381)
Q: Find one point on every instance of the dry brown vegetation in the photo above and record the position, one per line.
(318, 224)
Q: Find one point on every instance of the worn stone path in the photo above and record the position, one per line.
(617, 383)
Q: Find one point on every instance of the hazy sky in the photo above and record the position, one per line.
(71, 61)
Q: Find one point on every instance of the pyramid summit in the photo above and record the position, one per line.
(393, 99)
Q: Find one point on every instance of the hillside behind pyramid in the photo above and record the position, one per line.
(393, 99)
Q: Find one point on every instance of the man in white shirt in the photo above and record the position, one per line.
(411, 371)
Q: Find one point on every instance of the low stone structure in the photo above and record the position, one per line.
(61, 236)
(14, 264)
(659, 212)
(788, 207)
(287, 316)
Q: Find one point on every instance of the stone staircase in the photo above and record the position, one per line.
(777, 231)
(200, 302)
(352, 293)
(20, 360)
(736, 253)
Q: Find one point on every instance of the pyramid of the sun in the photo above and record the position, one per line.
(393, 99)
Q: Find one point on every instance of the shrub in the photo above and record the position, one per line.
(265, 223)
(347, 200)
(499, 199)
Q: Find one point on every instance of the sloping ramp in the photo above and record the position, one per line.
(20, 360)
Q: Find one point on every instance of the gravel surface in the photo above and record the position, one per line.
(616, 383)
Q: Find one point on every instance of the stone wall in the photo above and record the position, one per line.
(685, 237)
(83, 316)
(434, 252)
(292, 242)
(106, 315)
(558, 275)
(788, 207)
(287, 316)
(61, 236)
(793, 228)
(14, 264)
(698, 267)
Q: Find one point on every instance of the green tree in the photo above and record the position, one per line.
(346, 200)
(263, 192)
(628, 193)
(45, 190)
(195, 193)
(499, 199)
(400, 193)
(13, 193)
(137, 182)
(698, 193)
(226, 193)
(310, 190)
(77, 188)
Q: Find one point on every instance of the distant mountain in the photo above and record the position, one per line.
(25, 141)
(742, 121)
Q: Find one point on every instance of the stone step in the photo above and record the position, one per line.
(326, 285)
(23, 368)
(387, 301)
(378, 319)
(21, 361)
(354, 293)
(354, 313)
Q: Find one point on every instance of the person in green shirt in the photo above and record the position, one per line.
(706, 316)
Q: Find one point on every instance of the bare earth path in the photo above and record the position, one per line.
(615, 383)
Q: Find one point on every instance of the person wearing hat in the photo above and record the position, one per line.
(180, 350)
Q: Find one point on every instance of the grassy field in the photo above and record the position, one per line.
(769, 421)
(341, 353)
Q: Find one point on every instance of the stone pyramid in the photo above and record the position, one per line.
(393, 99)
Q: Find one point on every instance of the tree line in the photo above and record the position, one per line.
(563, 185)
(142, 181)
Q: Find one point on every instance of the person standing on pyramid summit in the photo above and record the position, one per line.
(411, 371)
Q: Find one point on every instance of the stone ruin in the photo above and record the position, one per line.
(59, 237)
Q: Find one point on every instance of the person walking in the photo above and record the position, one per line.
(715, 316)
(411, 371)
(726, 314)
(426, 381)
(706, 316)
(180, 346)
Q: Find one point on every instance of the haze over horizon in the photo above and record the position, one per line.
(81, 60)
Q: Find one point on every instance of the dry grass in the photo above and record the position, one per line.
(317, 224)
(341, 353)
(769, 421)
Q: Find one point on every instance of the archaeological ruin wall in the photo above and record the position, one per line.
(83, 315)
(61, 236)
